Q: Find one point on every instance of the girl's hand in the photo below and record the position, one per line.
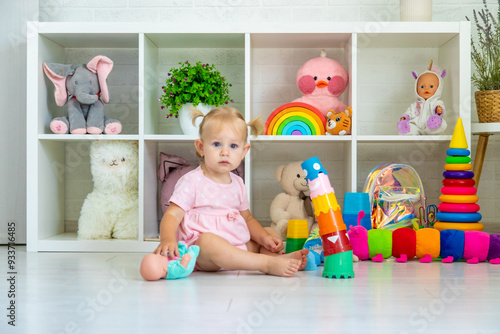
(168, 247)
(272, 243)
(168, 227)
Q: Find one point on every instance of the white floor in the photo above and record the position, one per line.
(104, 293)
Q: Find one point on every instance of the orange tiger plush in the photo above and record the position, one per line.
(339, 123)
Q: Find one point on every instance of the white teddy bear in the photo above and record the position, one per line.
(111, 210)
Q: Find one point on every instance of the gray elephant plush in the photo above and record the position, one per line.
(83, 89)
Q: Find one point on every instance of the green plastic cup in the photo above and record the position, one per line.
(294, 244)
(339, 265)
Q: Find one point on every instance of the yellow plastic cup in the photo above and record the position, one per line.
(297, 229)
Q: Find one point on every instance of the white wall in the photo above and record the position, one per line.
(197, 12)
(13, 32)
(234, 11)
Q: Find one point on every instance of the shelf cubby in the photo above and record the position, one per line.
(123, 81)
(163, 51)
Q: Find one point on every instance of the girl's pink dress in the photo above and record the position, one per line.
(211, 207)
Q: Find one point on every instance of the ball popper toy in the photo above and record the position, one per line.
(458, 209)
(337, 249)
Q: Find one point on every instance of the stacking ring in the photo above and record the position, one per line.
(457, 217)
(455, 174)
(458, 226)
(459, 182)
(467, 199)
(457, 167)
(462, 152)
(458, 190)
(458, 207)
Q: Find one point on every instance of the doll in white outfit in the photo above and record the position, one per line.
(425, 116)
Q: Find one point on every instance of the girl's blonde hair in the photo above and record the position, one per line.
(227, 115)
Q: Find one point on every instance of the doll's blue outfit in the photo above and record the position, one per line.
(175, 269)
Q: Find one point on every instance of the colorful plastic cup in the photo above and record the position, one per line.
(297, 234)
(353, 203)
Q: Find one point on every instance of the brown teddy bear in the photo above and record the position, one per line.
(294, 202)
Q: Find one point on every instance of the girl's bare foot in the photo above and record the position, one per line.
(282, 266)
(299, 255)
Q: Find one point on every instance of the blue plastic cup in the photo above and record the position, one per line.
(353, 203)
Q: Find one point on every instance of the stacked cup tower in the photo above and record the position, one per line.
(458, 209)
(337, 249)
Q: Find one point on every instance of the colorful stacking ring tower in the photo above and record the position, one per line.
(458, 209)
(337, 249)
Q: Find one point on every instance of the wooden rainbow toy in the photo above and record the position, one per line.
(295, 118)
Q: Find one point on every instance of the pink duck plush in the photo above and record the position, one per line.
(322, 80)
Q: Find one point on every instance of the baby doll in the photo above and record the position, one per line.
(425, 116)
(155, 266)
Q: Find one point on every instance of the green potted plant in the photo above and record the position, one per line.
(191, 86)
(486, 58)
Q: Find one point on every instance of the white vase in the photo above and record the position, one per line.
(415, 10)
(186, 120)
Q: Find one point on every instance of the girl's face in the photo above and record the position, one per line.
(427, 85)
(222, 151)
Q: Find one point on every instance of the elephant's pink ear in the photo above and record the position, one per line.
(59, 81)
(102, 66)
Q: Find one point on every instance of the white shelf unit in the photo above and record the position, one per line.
(261, 62)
